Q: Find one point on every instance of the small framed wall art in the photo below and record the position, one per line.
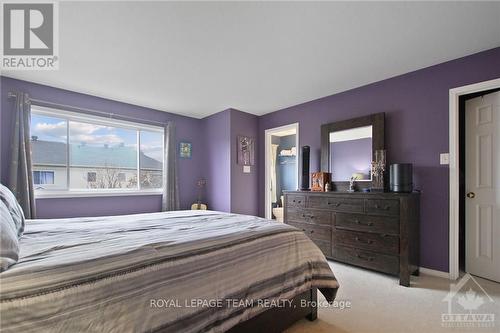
(185, 149)
(246, 150)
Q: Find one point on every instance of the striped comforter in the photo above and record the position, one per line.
(185, 271)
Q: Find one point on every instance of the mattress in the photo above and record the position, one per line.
(183, 271)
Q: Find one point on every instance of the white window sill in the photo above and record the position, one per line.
(47, 194)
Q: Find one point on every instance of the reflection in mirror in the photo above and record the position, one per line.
(351, 154)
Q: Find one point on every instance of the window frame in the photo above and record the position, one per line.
(69, 116)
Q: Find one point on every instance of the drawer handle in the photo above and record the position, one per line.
(384, 208)
(334, 204)
(369, 241)
(304, 216)
(312, 231)
(369, 224)
(365, 258)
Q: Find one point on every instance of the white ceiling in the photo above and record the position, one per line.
(198, 58)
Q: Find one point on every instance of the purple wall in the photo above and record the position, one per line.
(97, 206)
(228, 188)
(217, 152)
(348, 157)
(416, 107)
(244, 186)
(188, 129)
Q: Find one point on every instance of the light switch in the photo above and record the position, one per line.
(246, 169)
(444, 158)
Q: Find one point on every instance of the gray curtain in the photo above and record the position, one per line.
(171, 186)
(21, 175)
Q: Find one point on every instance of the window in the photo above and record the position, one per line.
(48, 143)
(94, 154)
(43, 177)
(151, 169)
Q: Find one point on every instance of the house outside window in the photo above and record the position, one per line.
(94, 155)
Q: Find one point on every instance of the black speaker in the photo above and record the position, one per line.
(401, 178)
(305, 168)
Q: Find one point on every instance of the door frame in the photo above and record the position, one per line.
(454, 149)
(267, 153)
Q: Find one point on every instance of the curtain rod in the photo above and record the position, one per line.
(40, 102)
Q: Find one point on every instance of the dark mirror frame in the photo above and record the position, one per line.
(376, 120)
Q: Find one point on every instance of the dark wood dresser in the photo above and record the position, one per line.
(379, 231)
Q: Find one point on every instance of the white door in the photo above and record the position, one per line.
(482, 226)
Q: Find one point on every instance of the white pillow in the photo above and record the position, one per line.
(13, 208)
(9, 242)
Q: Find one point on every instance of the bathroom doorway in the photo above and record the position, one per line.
(282, 167)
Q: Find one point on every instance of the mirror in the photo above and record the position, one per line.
(348, 148)
(351, 154)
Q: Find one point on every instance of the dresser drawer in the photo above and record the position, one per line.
(336, 203)
(368, 241)
(295, 201)
(325, 247)
(373, 260)
(382, 207)
(369, 223)
(310, 216)
(314, 231)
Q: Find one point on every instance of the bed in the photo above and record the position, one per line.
(183, 271)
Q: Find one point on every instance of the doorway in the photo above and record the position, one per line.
(281, 167)
(479, 230)
(456, 172)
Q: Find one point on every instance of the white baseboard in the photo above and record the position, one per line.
(433, 272)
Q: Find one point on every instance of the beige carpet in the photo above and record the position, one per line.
(380, 304)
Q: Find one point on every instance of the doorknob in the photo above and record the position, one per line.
(471, 195)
